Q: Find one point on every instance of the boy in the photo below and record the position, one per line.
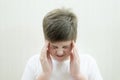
(59, 58)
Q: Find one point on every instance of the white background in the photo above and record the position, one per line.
(21, 33)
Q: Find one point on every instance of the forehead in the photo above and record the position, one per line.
(63, 43)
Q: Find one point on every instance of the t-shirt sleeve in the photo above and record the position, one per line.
(94, 73)
(28, 73)
(31, 68)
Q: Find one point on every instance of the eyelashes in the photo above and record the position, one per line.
(64, 47)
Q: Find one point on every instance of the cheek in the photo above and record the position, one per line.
(67, 51)
(52, 52)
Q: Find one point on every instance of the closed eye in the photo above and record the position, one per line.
(65, 47)
(55, 47)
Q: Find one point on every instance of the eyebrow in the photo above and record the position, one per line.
(63, 46)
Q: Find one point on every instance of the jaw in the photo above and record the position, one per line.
(60, 59)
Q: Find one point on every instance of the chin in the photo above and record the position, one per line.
(61, 60)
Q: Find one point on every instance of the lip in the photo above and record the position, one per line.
(60, 56)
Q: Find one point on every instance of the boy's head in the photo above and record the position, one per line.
(60, 25)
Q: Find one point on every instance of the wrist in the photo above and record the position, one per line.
(43, 77)
(46, 76)
(76, 77)
(79, 77)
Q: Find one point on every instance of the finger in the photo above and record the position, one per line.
(74, 51)
(71, 56)
(44, 51)
(72, 45)
(48, 51)
(46, 44)
(71, 53)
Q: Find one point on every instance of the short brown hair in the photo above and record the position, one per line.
(60, 25)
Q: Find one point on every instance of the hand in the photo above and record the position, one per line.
(75, 64)
(80, 77)
(45, 60)
(74, 61)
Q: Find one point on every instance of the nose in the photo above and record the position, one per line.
(60, 52)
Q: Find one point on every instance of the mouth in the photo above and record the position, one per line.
(59, 56)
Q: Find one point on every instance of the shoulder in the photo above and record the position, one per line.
(34, 60)
(87, 61)
(89, 65)
(32, 68)
(87, 57)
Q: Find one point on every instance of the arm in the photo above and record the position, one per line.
(46, 63)
(75, 64)
(43, 77)
(79, 77)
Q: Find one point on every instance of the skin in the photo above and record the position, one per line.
(60, 51)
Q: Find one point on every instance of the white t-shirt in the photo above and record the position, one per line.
(88, 68)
